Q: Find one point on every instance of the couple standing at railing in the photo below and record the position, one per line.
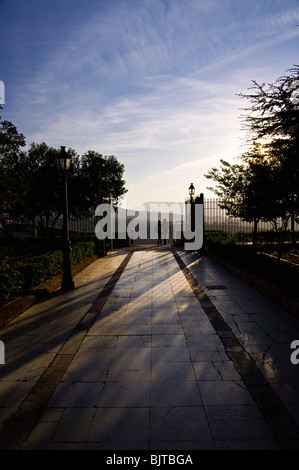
(163, 231)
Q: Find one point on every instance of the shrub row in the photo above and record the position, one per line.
(28, 247)
(17, 277)
(225, 247)
(263, 237)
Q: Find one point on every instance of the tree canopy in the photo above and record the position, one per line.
(11, 166)
(265, 185)
(31, 185)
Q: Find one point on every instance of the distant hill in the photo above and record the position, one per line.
(157, 209)
(179, 205)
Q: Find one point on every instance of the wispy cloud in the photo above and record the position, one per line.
(152, 81)
(187, 110)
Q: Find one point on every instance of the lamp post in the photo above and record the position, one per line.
(191, 193)
(67, 281)
(108, 201)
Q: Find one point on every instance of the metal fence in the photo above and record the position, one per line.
(215, 219)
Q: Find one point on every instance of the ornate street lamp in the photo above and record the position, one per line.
(192, 208)
(191, 191)
(67, 280)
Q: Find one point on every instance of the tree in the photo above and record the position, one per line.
(99, 179)
(243, 192)
(11, 167)
(31, 184)
(34, 185)
(10, 140)
(91, 178)
(43, 203)
(272, 121)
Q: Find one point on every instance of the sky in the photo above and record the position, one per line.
(153, 82)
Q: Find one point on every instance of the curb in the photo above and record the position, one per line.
(282, 298)
(19, 305)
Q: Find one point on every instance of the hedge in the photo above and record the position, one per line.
(25, 248)
(17, 277)
(225, 247)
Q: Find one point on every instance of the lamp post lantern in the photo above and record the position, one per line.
(192, 208)
(191, 191)
(67, 280)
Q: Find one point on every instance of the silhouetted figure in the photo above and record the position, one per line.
(164, 231)
(159, 232)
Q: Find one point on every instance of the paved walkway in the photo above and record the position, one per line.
(153, 350)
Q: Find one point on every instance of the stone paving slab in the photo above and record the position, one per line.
(176, 354)
(39, 346)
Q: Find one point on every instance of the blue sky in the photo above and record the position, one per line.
(153, 82)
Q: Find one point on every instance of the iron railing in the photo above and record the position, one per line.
(215, 219)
